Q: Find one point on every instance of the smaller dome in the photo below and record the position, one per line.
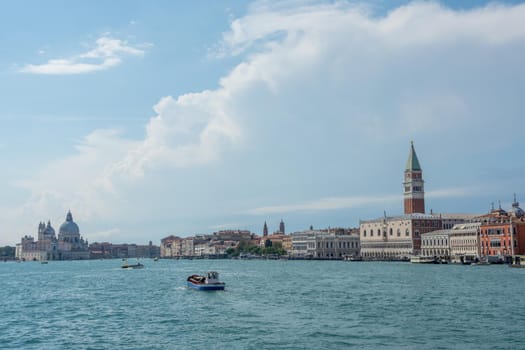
(49, 230)
(516, 210)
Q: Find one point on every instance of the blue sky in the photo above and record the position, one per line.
(155, 118)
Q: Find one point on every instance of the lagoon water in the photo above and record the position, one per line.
(266, 305)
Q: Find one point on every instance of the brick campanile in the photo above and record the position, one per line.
(414, 193)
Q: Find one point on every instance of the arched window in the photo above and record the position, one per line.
(406, 232)
(398, 232)
(391, 232)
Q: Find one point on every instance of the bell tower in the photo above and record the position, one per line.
(414, 193)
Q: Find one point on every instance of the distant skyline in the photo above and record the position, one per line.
(147, 119)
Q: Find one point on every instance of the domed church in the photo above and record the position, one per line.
(69, 245)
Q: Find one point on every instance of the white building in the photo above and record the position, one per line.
(315, 244)
(436, 244)
(395, 238)
(465, 242)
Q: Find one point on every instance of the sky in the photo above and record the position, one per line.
(147, 119)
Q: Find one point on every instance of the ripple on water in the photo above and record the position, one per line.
(266, 305)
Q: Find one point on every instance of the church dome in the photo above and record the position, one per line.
(49, 230)
(516, 210)
(69, 227)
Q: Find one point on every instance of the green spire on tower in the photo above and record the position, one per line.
(412, 162)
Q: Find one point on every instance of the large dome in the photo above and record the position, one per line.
(69, 227)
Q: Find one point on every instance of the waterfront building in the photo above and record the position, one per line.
(395, 237)
(287, 243)
(318, 244)
(464, 240)
(436, 244)
(205, 245)
(503, 233)
(170, 247)
(275, 238)
(68, 245)
(213, 248)
(303, 245)
(187, 247)
(106, 250)
(459, 244)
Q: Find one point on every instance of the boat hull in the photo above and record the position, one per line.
(134, 267)
(203, 286)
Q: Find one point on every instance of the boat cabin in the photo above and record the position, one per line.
(212, 277)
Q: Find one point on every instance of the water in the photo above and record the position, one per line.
(266, 305)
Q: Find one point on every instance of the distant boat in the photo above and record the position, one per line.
(422, 260)
(156, 258)
(352, 258)
(43, 262)
(126, 265)
(208, 282)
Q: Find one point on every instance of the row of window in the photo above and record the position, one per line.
(328, 255)
(343, 244)
(432, 252)
(427, 223)
(435, 242)
(391, 232)
(496, 243)
(395, 254)
(498, 231)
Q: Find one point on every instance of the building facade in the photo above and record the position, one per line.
(503, 233)
(436, 244)
(170, 247)
(465, 242)
(395, 238)
(319, 244)
(106, 250)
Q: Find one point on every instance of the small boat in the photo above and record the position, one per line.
(352, 258)
(125, 265)
(156, 258)
(208, 282)
(422, 260)
(43, 262)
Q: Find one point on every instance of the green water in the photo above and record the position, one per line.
(266, 305)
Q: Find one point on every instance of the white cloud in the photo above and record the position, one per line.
(336, 203)
(189, 131)
(325, 204)
(108, 52)
(321, 90)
